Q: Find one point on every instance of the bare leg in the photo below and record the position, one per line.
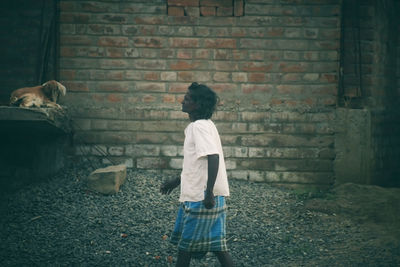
(224, 258)
(184, 258)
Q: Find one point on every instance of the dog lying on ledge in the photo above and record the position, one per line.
(45, 95)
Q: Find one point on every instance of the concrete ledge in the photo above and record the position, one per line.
(36, 120)
(33, 145)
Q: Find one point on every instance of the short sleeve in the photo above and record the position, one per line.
(205, 143)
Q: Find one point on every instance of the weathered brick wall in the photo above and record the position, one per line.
(127, 65)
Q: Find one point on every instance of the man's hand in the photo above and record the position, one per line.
(167, 187)
(209, 201)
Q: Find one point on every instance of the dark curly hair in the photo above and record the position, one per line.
(205, 99)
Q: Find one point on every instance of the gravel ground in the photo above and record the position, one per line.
(60, 223)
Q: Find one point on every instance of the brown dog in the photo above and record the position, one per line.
(45, 95)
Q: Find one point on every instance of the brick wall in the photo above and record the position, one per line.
(127, 66)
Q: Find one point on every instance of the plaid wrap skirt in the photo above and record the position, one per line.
(198, 229)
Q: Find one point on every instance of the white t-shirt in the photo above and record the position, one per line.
(201, 139)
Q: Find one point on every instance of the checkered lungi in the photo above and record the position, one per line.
(198, 229)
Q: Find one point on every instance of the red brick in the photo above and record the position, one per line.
(309, 102)
(113, 52)
(94, 51)
(208, 11)
(150, 87)
(225, 66)
(149, 64)
(183, 65)
(76, 86)
(290, 89)
(99, 98)
(239, 54)
(224, 11)
(183, 2)
(178, 87)
(292, 67)
(202, 53)
(220, 43)
(257, 77)
(179, 99)
(256, 55)
(176, 11)
(149, 20)
(94, 7)
(184, 54)
(333, 45)
(291, 77)
(331, 78)
(120, 19)
(217, 3)
(250, 88)
(101, 29)
(275, 32)
(67, 74)
(192, 11)
(115, 75)
(223, 87)
(330, 101)
(148, 99)
(222, 54)
(148, 29)
(113, 63)
(184, 42)
(115, 87)
(169, 99)
(186, 76)
(166, 53)
(238, 8)
(113, 41)
(68, 52)
(74, 18)
(256, 66)
(276, 102)
(76, 40)
(151, 76)
(152, 163)
(150, 137)
(148, 42)
(238, 32)
(114, 98)
(67, 6)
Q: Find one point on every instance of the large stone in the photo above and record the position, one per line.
(107, 180)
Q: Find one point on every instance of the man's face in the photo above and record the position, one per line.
(188, 105)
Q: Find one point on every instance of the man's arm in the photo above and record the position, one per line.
(213, 165)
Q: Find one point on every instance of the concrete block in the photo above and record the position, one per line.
(107, 180)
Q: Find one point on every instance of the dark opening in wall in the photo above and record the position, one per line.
(29, 44)
(205, 8)
(351, 90)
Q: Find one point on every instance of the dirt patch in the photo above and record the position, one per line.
(363, 203)
(375, 209)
